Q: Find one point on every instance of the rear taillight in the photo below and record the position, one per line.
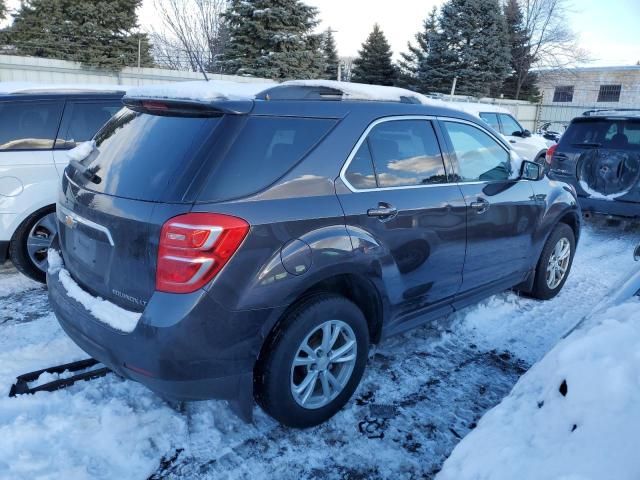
(550, 152)
(194, 247)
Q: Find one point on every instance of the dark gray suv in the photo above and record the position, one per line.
(255, 249)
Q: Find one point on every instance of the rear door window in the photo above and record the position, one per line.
(29, 125)
(479, 156)
(81, 121)
(406, 153)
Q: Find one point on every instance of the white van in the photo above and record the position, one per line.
(529, 146)
(38, 125)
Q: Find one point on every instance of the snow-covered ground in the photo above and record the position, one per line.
(422, 393)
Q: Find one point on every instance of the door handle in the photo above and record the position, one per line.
(384, 211)
(480, 206)
(512, 141)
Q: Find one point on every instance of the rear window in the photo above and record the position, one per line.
(29, 125)
(160, 158)
(623, 134)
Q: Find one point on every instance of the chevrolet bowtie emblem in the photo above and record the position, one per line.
(70, 221)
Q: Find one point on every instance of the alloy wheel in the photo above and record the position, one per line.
(558, 263)
(39, 240)
(323, 364)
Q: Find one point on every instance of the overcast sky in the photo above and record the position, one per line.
(608, 29)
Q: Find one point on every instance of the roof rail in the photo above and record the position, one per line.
(334, 90)
(612, 112)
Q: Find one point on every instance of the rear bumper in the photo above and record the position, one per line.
(185, 347)
(609, 207)
(4, 251)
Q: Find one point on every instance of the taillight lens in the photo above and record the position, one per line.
(550, 152)
(194, 247)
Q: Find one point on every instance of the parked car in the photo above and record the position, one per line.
(529, 146)
(281, 236)
(38, 125)
(599, 155)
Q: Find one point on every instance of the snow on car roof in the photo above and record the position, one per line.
(9, 88)
(612, 112)
(476, 108)
(360, 91)
(201, 91)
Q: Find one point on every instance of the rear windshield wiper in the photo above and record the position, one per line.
(586, 144)
(85, 172)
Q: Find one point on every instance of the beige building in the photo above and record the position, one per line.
(568, 93)
(597, 87)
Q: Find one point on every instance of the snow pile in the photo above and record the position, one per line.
(107, 312)
(82, 151)
(360, 91)
(574, 415)
(201, 91)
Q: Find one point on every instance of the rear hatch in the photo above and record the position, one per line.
(600, 156)
(152, 162)
(115, 201)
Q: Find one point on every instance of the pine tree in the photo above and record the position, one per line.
(330, 55)
(273, 39)
(474, 32)
(3, 9)
(424, 68)
(522, 82)
(97, 33)
(374, 64)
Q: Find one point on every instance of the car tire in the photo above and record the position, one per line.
(35, 227)
(281, 387)
(553, 266)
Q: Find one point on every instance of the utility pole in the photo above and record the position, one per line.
(453, 87)
(139, 49)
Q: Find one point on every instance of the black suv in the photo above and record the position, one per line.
(257, 248)
(38, 126)
(599, 155)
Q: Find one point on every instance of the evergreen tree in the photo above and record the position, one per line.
(96, 33)
(522, 82)
(425, 65)
(475, 34)
(273, 39)
(373, 64)
(330, 55)
(3, 9)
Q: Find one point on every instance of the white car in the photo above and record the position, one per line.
(529, 146)
(38, 125)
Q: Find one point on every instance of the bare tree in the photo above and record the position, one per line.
(192, 34)
(550, 42)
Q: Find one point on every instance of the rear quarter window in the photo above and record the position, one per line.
(29, 125)
(266, 149)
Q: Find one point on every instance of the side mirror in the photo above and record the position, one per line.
(531, 171)
(636, 254)
(517, 133)
(526, 133)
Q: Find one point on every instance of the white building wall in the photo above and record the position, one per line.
(45, 70)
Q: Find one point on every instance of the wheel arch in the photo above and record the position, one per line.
(355, 287)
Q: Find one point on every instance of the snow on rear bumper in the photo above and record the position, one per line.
(102, 310)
